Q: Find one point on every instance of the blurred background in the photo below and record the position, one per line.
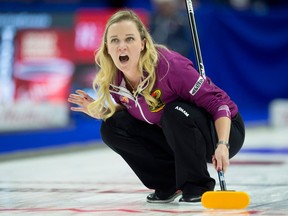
(47, 51)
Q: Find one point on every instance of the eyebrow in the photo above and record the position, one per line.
(125, 35)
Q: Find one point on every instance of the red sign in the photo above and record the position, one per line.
(44, 44)
(43, 68)
(89, 29)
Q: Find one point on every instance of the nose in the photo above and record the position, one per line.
(122, 46)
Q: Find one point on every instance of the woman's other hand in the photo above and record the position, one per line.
(82, 99)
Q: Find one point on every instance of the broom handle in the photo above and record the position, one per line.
(195, 38)
(201, 70)
(222, 180)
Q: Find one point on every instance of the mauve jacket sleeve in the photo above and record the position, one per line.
(186, 82)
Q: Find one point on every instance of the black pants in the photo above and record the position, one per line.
(174, 154)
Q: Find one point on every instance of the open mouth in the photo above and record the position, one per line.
(123, 58)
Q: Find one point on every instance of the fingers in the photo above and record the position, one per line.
(214, 161)
(77, 109)
(79, 98)
(82, 100)
(76, 99)
(83, 94)
(80, 94)
(220, 163)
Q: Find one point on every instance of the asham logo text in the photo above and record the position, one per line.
(182, 110)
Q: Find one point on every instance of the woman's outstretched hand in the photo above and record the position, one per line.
(82, 99)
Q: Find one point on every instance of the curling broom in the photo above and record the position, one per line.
(224, 199)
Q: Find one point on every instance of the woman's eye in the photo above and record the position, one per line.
(129, 39)
(114, 40)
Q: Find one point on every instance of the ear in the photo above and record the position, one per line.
(107, 48)
(143, 44)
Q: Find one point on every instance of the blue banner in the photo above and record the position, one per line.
(246, 54)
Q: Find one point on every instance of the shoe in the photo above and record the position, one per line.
(188, 198)
(161, 197)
